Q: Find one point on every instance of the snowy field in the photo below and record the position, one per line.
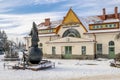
(64, 70)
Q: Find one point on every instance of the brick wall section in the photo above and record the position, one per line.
(47, 22)
(116, 12)
(104, 14)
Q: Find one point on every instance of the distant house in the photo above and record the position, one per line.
(80, 37)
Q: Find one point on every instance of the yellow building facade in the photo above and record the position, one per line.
(79, 37)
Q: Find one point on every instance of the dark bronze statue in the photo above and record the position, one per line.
(34, 36)
(35, 53)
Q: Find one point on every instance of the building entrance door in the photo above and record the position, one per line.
(111, 52)
(68, 52)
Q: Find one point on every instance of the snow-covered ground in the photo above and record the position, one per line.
(64, 69)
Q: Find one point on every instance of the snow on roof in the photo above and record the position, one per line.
(46, 35)
(88, 20)
(43, 27)
(53, 24)
(111, 20)
(85, 22)
(95, 20)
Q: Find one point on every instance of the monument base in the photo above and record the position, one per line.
(34, 62)
(44, 64)
(11, 59)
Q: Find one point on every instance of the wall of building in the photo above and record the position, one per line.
(76, 48)
(101, 38)
(43, 40)
(104, 39)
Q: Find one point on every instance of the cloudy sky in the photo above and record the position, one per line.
(16, 16)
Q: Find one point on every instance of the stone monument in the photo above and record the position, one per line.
(11, 50)
(7, 47)
(35, 53)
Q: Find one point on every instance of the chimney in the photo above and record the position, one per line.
(104, 14)
(47, 22)
(116, 12)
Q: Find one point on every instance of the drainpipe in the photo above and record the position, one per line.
(95, 56)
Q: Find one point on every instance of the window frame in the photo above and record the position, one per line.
(53, 50)
(99, 48)
(83, 50)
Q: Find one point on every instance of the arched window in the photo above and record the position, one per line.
(111, 43)
(71, 33)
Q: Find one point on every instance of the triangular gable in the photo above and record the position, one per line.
(71, 18)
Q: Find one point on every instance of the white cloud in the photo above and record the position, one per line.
(24, 22)
(9, 5)
(2, 10)
(80, 4)
(19, 24)
(47, 1)
(95, 3)
(92, 7)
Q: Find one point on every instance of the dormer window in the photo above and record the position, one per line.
(104, 26)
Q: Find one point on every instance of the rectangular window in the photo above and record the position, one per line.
(106, 26)
(53, 50)
(110, 25)
(83, 50)
(51, 30)
(100, 26)
(94, 27)
(97, 27)
(114, 25)
(99, 48)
